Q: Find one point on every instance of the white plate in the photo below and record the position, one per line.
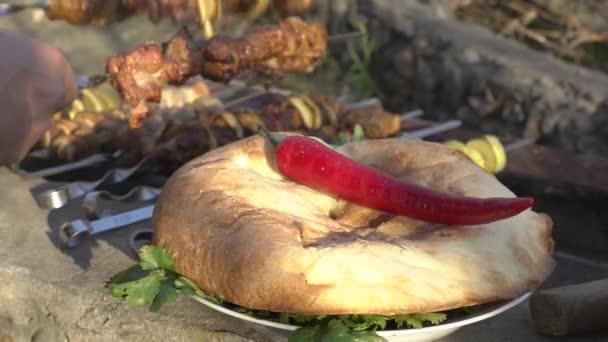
(280, 331)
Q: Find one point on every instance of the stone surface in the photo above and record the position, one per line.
(51, 294)
(451, 69)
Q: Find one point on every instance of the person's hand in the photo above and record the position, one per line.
(36, 81)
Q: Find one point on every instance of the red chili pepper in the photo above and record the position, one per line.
(308, 162)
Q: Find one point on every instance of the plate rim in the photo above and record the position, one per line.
(452, 325)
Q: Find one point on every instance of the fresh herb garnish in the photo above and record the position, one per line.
(333, 330)
(417, 320)
(357, 135)
(154, 282)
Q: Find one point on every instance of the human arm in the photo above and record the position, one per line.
(36, 81)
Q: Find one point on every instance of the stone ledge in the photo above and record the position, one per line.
(50, 294)
(32, 310)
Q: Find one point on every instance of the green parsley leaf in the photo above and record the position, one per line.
(130, 274)
(303, 319)
(408, 320)
(166, 295)
(284, 317)
(432, 317)
(470, 309)
(417, 320)
(364, 322)
(153, 257)
(187, 287)
(306, 334)
(142, 292)
(333, 331)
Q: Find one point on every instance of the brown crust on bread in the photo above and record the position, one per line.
(241, 231)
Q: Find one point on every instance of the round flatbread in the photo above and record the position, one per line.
(241, 231)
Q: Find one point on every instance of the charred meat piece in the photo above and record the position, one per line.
(239, 6)
(182, 57)
(137, 143)
(293, 45)
(87, 134)
(74, 147)
(292, 7)
(140, 75)
(376, 123)
(281, 117)
(105, 12)
(180, 149)
(86, 12)
(285, 8)
(173, 138)
(65, 126)
(177, 10)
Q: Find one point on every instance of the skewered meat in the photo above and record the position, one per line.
(376, 123)
(177, 10)
(171, 154)
(140, 74)
(107, 128)
(214, 129)
(239, 5)
(105, 12)
(285, 8)
(88, 133)
(174, 136)
(293, 7)
(89, 12)
(293, 45)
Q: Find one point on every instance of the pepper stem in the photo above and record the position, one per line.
(266, 134)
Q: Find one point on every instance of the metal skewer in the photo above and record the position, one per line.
(73, 232)
(519, 144)
(92, 207)
(59, 197)
(84, 81)
(86, 162)
(90, 81)
(411, 115)
(432, 130)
